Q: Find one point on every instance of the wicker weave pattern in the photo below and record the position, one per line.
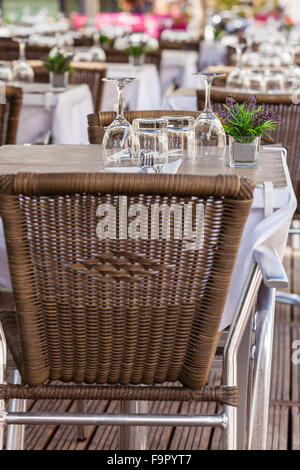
(9, 115)
(97, 121)
(76, 326)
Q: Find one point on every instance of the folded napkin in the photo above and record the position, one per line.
(171, 167)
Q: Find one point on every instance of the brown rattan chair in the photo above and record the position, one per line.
(90, 73)
(9, 50)
(98, 121)
(9, 115)
(286, 134)
(111, 316)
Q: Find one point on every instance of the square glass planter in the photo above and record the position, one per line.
(59, 81)
(244, 154)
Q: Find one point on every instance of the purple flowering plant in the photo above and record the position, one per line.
(246, 121)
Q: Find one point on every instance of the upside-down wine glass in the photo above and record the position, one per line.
(210, 137)
(236, 76)
(22, 71)
(119, 140)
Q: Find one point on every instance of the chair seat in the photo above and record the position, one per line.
(219, 394)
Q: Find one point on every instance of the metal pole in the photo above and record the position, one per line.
(133, 438)
(16, 434)
(235, 336)
(3, 359)
(260, 396)
(220, 420)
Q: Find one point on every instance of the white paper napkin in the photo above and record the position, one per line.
(171, 167)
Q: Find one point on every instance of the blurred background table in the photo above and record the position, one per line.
(63, 114)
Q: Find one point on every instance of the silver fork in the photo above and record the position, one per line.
(147, 161)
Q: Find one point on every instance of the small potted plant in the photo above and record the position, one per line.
(137, 46)
(245, 123)
(59, 67)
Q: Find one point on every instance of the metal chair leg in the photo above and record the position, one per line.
(231, 370)
(80, 427)
(16, 433)
(133, 437)
(260, 396)
(3, 359)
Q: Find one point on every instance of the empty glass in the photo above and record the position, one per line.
(151, 135)
(274, 81)
(119, 140)
(6, 74)
(97, 53)
(210, 138)
(236, 76)
(254, 81)
(181, 136)
(22, 71)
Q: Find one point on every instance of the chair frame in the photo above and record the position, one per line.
(15, 97)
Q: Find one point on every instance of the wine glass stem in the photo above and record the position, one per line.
(238, 57)
(207, 95)
(120, 101)
(22, 50)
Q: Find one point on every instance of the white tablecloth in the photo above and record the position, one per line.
(212, 53)
(142, 94)
(64, 114)
(182, 100)
(180, 66)
(269, 230)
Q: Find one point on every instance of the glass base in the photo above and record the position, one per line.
(244, 155)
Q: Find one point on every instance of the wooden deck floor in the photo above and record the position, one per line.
(284, 419)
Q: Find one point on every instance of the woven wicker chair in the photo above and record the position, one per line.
(97, 121)
(9, 115)
(9, 50)
(287, 133)
(116, 318)
(90, 73)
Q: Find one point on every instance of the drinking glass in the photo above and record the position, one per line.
(22, 71)
(210, 138)
(151, 135)
(254, 81)
(98, 54)
(236, 76)
(181, 136)
(274, 81)
(6, 74)
(119, 140)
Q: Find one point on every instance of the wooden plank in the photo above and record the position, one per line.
(66, 437)
(38, 436)
(296, 283)
(295, 386)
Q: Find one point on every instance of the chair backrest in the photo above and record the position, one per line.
(9, 50)
(90, 73)
(9, 115)
(287, 133)
(121, 278)
(97, 121)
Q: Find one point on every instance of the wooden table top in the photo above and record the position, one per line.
(89, 158)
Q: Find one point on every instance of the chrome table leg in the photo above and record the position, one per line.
(260, 396)
(133, 437)
(3, 359)
(16, 432)
(231, 371)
